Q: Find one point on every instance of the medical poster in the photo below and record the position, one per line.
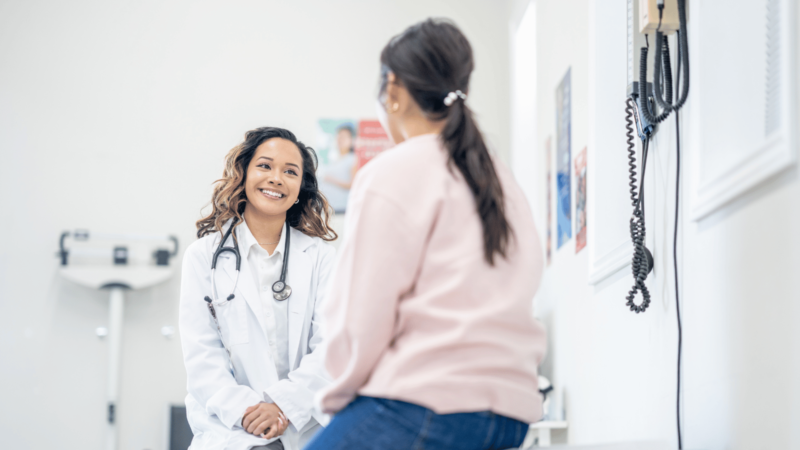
(372, 140)
(549, 190)
(343, 147)
(336, 140)
(563, 161)
(580, 200)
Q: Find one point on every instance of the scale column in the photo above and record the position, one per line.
(115, 315)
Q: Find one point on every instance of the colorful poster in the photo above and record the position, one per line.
(372, 139)
(549, 202)
(336, 140)
(343, 147)
(563, 160)
(580, 200)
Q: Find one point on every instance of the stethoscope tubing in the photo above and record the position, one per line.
(220, 250)
(280, 290)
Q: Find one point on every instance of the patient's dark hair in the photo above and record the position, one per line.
(431, 59)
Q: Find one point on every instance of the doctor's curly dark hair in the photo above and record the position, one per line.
(311, 215)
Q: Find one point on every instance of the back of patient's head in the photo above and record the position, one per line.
(431, 60)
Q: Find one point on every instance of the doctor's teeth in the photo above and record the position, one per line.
(271, 193)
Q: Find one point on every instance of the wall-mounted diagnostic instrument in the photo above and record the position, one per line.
(648, 104)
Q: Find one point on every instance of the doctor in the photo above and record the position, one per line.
(253, 361)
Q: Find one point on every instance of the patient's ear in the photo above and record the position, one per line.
(398, 100)
(391, 91)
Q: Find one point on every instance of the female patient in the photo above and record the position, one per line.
(432, 342)
(252, 373)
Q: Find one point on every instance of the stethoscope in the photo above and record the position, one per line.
(280, 290)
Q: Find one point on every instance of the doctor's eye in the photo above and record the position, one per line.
(264, 166)
(291, 171)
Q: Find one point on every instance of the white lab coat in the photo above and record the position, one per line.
(217, 400)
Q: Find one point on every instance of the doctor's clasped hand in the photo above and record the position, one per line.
(265, 420)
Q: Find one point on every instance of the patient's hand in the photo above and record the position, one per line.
(265, 420)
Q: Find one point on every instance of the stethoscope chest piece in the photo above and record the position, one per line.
(281, 291)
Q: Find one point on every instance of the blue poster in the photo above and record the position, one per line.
(563, 157)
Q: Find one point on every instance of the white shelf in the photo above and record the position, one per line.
(134, 277)
(550, 424)
(541, 430)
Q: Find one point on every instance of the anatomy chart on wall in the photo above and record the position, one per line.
(563, 160)
(580, 200)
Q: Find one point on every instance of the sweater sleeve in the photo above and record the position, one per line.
(378, 264)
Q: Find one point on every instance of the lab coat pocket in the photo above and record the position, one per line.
(232, 316)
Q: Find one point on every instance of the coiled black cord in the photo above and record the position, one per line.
(629, 112)
(662, 58)
(640, 265)
(683, 59)
(663, 70)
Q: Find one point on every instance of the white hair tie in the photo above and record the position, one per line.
(453, 96)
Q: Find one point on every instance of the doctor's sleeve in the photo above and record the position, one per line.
(378, 265)
(209, 379)
(295, 395)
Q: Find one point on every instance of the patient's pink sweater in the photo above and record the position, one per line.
(415, 313)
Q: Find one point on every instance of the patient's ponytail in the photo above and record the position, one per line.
(433, 60)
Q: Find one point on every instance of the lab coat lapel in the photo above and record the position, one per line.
(299, 278)
(246, 289)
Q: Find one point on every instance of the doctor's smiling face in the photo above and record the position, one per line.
(274, 177)
(263, 178)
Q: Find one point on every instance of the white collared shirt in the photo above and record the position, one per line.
(266, 269)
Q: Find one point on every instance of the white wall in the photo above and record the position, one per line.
(115, 116)
(738, 266)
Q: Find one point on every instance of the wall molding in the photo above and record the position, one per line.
(609, 209)
(611, 262)
(777, 150)
(760, 164)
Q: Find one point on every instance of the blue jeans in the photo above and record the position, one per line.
(381, 424)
